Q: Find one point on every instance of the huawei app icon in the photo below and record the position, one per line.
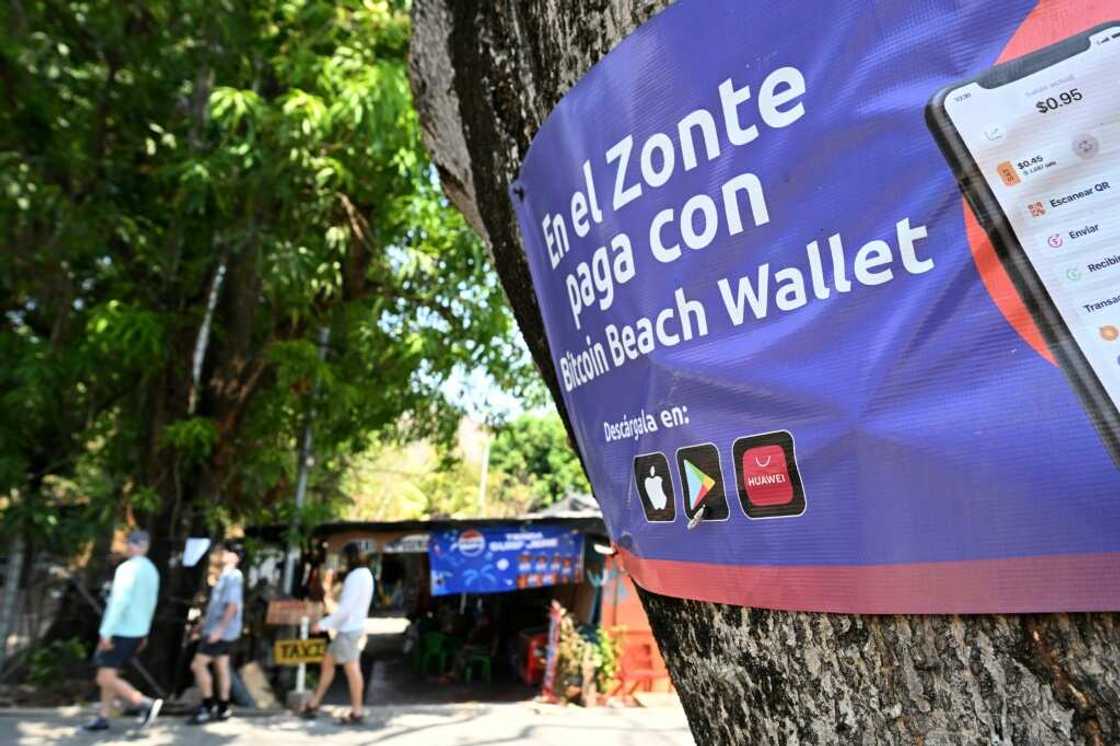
(768, 480)
(655, 487)
(766, 476)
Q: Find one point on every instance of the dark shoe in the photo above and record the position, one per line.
(221, 715)
(309, 713)
(352, 719)
(200, 716)
(98, 723)
(150, 713)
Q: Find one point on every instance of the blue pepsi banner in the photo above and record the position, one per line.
(504, 558)
(833, 294)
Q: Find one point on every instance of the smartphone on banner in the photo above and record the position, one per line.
(1035, 146)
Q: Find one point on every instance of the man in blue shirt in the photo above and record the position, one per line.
(124, 628)
(220, 629)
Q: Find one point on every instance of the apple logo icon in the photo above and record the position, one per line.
(655, 491)
(655, 487)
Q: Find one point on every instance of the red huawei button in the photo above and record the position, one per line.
(766, 476)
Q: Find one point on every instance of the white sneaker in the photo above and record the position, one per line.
(148, 716)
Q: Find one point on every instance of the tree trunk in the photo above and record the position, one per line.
(8, 597)
(189, 488)
(485, 76)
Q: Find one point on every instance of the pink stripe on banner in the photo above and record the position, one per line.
(1075, 582)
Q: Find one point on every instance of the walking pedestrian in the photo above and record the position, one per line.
(124, 630)
(348, 622)
(221, 627)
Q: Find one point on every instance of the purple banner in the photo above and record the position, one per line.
(833, 293)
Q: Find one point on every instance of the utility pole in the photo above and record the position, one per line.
(305, 459)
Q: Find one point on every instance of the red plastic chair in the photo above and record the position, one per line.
(636, 669)
(534, 651)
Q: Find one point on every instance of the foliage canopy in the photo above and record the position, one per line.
(532, 452)
(531, 466)
(205, 184)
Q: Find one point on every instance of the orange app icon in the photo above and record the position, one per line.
(1110, 333)
(1008, 173)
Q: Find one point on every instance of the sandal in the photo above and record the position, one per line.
(309, 713)
(352, 719)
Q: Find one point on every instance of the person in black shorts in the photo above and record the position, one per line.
(221, 627)
(124, 629)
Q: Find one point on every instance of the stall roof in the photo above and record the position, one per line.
(586, 520)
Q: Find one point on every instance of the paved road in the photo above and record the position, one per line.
(510, 724)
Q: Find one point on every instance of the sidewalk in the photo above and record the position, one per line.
(509, 724)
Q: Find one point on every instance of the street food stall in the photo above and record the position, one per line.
(477, 593)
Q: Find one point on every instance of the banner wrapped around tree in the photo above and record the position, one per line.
(833, 294)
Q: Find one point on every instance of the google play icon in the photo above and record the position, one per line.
(699, 484)
(702, 480)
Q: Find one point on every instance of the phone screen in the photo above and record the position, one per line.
(1048, 147)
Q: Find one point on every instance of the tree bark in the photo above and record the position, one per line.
(10, 594)
(484, 77)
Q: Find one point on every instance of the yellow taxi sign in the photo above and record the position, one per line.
(294, 652)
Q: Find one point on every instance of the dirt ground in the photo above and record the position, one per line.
(462, 724)
(404, 709)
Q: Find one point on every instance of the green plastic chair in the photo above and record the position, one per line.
(480, 659)
(433, 648)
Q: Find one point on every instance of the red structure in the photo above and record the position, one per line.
(641, 665)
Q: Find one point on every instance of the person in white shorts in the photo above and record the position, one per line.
(348, 622)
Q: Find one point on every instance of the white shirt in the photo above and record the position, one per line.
(353, 605)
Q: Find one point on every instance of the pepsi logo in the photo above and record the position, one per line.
(472, 542)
